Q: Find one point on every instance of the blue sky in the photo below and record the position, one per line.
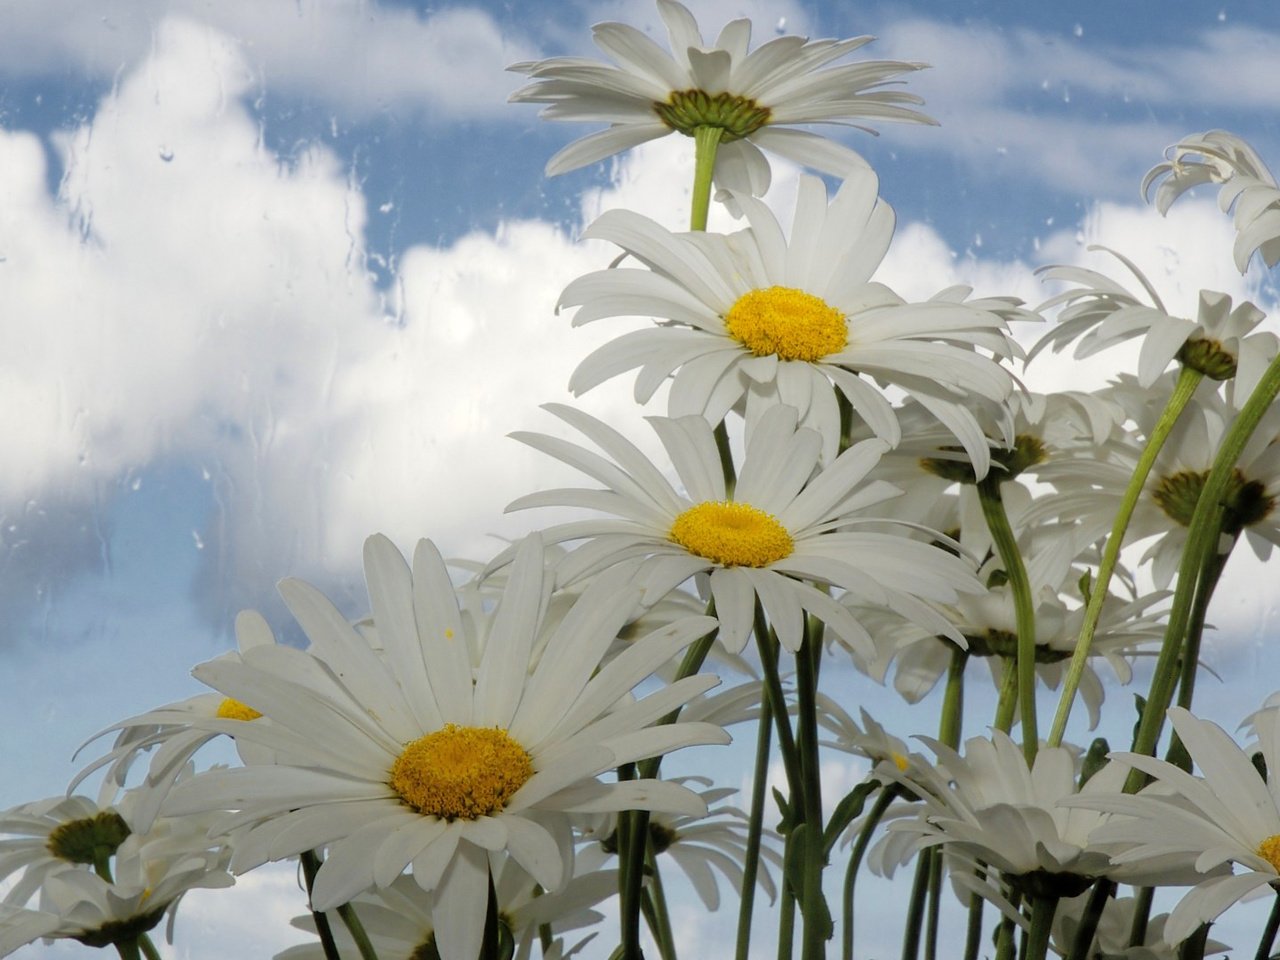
(279, 275)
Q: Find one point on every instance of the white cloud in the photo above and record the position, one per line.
(357, 56)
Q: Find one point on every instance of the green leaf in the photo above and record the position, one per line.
(846, 811)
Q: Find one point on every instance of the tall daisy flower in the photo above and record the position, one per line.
(1247, 186)
(756, 318)
(409, 758)
(782, 527)
(752, 96)
(1230, 815)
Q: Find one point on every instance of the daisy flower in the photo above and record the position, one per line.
(398, 918)
(752, 97)
(410, 758)
(699, 846)
(48, 836)
(151, 875)
(1230, 815)
(169, 732)
(781, 527)
(1247, 185)
(1101, 313)
(755, 318)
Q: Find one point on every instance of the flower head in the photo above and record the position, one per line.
(752, 96)
(780, 529)
(407, 757)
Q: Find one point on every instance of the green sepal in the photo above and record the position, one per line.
(846, 811)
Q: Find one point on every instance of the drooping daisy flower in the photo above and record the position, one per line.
(409, 757)
(756, 318)
(782, 526)
(1090, 489)
(1247, 185)
(752, 97)
(1100, 312)
(1231, 814)
(700, 846)
(152, 873)
(48, 836)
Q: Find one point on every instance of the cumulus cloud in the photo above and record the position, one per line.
(362, 58)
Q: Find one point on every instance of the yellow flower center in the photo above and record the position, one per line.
(461, 772)
(1269, 850)
(732, 534)
(230, 709)
(787, 322)
(899, 761)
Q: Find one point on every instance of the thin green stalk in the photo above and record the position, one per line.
(1097, 902)
(1269, 931)
(1042, 911)
(973, 931)
(633, 840)
(888, 794)
(812, 905)
(128, 949)
(655, 904)
(915, 906)
(721, 434)
(1007, 704)
(354, 927)
(1005, 943)
(1183, 390)
(787, 914)
(1023, 605)
(1202, 538)
(755, 827)
(1206, 585)
(706, 140)
(767, 643)
(1193, 947)
(489, 949)
(1141, 916)
(932, 910)
(147, 947)
(953, 700)
(310, 866)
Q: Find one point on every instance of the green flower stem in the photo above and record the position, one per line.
(655, 907)
(1193, 947)
(1005, 945)
(489, 946)
(1098, 897)
(1143, 898)
(1269, 932)
(1206, 585)
(1007, 703)
(128, 949)
(1202, 543)
(706, 141)
(816, 918)
(721, 434)
(1042, 911)
(147, 947)
(953, 700)
(932, 910)
(354, 927)
(787, 914)
(310, 866)
(973, 932)
(1024, 608)
(1183, 390)
(888, 794)
(755, 827)
(767, 642)
(915, 905)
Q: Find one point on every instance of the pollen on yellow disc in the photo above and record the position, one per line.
(1269, 850)
(732, 534)
(461, 772)
(899, 761)
(230, 709)
(787, 322)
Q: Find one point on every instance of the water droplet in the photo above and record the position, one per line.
(195, 536)
(1222, 16)
(782, 25)
(137, 484)
(1078, 30)
(386, 207)
(1002, 151)
(166, 154)
(1048, 222)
